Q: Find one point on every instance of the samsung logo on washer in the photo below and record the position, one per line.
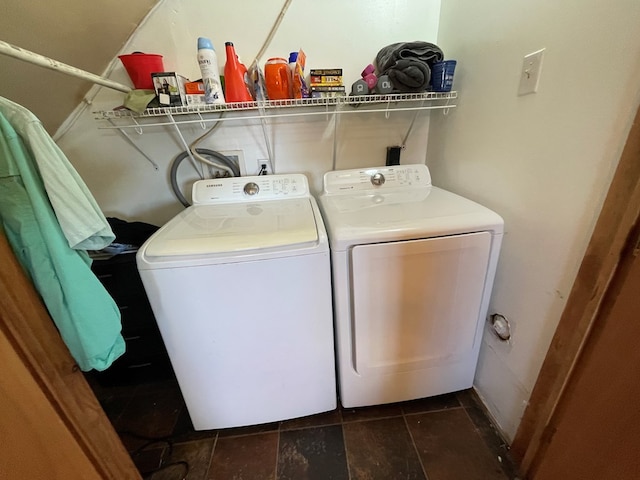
(209, 185)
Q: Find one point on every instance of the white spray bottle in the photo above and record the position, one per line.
(208, 62)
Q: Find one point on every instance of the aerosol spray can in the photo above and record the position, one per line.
(208, 62)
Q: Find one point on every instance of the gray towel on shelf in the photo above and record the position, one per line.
(408, 64)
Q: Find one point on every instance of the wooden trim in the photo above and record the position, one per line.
(28, 327)
(36, 444)
(603, 376)
(615, 223)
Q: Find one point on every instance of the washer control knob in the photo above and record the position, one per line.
(377, 179)
(251, 188)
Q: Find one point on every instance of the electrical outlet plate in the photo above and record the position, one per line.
(266, 164)
(530, 74)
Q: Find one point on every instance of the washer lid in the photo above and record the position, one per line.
(236, 227)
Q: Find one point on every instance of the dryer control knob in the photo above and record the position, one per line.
(251, 188)
(377, 179)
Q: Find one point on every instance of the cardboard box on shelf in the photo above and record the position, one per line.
(327, 91)
(325, 80)
(327, 94)
(325, 76)
(300, 87)
(194, 93)
(194, 88)
(195, 100)
(327, 88)
(325, 71)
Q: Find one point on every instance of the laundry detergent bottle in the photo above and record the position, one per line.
(235, 84)
(208, 62)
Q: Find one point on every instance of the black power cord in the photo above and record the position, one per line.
(168, 466)
(150, 441)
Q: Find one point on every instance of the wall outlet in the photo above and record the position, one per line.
(264, 167)
(393, 156)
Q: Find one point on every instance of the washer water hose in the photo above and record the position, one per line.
(225, 163)
(222, 159)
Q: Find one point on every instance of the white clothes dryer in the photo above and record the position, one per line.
(413, 267)
(240, 286)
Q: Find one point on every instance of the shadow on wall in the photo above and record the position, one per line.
(89, 49)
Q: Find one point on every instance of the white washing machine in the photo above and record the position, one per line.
(413, 267)
(240, 286)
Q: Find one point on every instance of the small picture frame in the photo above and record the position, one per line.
(169, 88)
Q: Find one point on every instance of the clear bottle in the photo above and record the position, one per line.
(235, 83)
(208, 62)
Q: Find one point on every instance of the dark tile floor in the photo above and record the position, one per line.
(442, 438)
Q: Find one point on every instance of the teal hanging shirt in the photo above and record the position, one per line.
(78, 214)
(86, 316)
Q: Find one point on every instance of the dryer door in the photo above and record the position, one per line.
(416, 304)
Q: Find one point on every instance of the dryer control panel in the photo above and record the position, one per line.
(377, 179)
(249, 189)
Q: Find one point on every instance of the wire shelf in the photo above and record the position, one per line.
(276, 105)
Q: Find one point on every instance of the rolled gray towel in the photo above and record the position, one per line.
(410, 75)
(408, 64)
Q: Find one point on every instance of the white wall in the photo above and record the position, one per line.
(543, 161)
(333, 34)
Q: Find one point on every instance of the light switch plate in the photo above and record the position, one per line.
(530, 74)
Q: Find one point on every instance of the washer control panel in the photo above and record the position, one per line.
(377, 179)
(249, 189)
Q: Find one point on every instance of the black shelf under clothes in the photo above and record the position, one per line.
(146, 358)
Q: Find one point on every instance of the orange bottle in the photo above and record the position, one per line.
(236, 89)
(277, 77)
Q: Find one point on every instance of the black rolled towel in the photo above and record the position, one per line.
(408, 64)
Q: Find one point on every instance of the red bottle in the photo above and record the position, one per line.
(236, 89)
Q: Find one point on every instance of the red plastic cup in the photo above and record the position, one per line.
(140, 66)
